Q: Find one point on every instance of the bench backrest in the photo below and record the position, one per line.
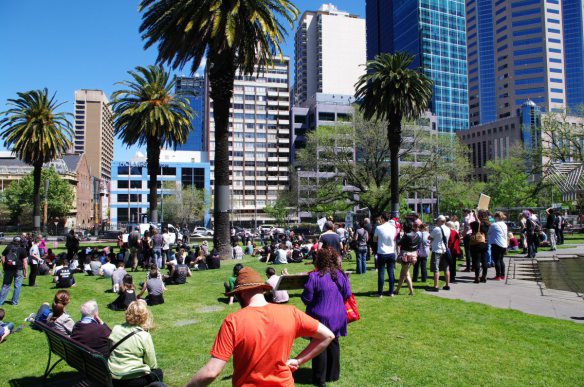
(92, 364)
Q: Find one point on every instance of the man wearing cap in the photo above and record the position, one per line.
(260, 337)
(14, 261)
(439, 260)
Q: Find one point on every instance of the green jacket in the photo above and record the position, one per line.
(133, 358)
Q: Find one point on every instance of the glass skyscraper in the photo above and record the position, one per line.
(573, 11)
(434, 31)
(195, 90)
(481, 63)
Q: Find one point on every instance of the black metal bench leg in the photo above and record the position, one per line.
(49, 370)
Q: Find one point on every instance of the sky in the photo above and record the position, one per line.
(67, 45)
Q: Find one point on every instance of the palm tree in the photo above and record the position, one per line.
(232, 35)
(392, 92)
(148, 113)
(37, 134)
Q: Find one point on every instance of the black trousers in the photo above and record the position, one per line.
(155, 375)
(34, 271)
(480, 257)
(326, 367)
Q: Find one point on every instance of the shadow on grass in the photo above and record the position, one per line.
(61, 379)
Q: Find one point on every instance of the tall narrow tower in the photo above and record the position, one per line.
(94, 131)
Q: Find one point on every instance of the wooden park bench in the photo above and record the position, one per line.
(92, 365)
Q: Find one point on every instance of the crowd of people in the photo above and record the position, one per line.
(480, 239)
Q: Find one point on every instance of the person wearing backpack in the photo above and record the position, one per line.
(14, 261)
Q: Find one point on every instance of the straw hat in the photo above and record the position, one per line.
(249, 279)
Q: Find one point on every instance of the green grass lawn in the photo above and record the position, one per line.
(415, 341)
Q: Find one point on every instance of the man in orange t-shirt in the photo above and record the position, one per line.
(260, 337)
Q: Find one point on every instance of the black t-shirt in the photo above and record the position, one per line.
(72, 242)
(65, 277)
(180, 274)
(410, 242)
(21, 253)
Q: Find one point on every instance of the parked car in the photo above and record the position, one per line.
(203, 231)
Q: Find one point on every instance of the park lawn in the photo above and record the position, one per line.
(420, 340)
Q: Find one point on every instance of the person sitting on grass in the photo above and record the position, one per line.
(237, 251)
(296, 255)
(5, 328)
(281, 255)
(214, 261)
(127, 294)
(513, 242)
(118, 277)
(94, 265)
(276, 296)
(154, 286)
(107, 269)
(91, 330)
(64, 276)
(178, 273)
(132, 361)
(230, 284)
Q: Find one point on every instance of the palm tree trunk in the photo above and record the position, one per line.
(221, 77)
(394, 138)
(36, 194)
(153, 161)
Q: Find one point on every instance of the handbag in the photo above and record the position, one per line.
(350, 306)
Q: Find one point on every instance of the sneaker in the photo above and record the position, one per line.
(377, 295)
(446, 287)
(30, 318)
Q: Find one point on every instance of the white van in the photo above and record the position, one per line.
(174, 232)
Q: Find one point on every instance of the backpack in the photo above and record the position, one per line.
(536, 226)
(12, 258)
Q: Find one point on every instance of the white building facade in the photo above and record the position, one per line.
(259, 141)
(330, 53)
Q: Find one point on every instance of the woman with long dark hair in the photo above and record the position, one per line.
(324, 295)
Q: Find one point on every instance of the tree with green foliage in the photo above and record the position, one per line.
(148, 113)
(34, 130)
(186, 206)
(509, 185)
(279, 210)
(232, 36)
(20, 193)
(391, 91)
(561, 140)
(352, 163)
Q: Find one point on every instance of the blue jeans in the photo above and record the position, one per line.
(362, 260)
(382, 261)
(157, 255)
(9, 275)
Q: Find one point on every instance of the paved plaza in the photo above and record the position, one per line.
(526, 295)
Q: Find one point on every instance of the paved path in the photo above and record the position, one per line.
(527, 296)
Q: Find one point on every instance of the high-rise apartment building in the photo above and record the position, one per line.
(434, 32)
(573, 18)
(94, 131)
(194, 88)
(259, 141)
(329, 53)
(515, 54)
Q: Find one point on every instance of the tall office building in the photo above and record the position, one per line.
(573, 18)
(94, 131)
(259, 141)
(194, 88)
(434, 33)
(515, 54)
(329, 53)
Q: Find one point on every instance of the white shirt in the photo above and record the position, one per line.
(165, 241)
(385, 234)
(437, 243)
(279, 295)
(108, 269)
(34, 253)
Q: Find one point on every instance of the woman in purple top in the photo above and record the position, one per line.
(324, 295)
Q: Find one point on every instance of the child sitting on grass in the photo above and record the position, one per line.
(5, 328)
